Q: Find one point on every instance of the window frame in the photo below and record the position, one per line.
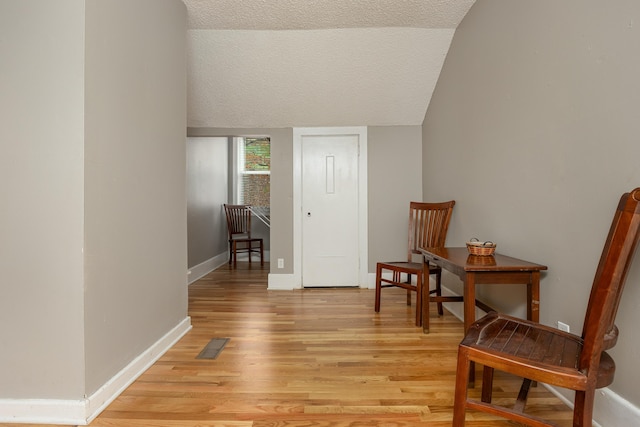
(238, 168)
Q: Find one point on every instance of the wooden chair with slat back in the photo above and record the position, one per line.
(540, 353)
(428, 226)
(239, 228)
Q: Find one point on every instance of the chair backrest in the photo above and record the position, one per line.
(238, 220)
(428, 225)
(599, 331)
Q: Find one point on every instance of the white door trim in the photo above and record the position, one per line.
(298, 133)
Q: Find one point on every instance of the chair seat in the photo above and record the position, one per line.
(548, 354)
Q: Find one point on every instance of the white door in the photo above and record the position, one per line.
(330, 210)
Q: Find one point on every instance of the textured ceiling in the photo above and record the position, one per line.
(288, 63)
(324, 14)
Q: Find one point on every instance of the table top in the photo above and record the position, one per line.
(459, 258)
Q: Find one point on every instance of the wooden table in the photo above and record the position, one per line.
(474, 270)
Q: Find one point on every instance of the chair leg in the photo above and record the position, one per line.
(378, 287)
(419, 291)
(230, 251)
(426, 300)
(408, 291)
(521, 401)
(460, 395)
(439, 291)
(261, 254)
(583, 408)
(235, 254)
(487, 384)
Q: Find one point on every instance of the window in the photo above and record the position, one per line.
(253, 172)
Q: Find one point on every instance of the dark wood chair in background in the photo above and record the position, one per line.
(428, 226)
(540, 353)
(239, 227)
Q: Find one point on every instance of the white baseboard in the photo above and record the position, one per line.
(288, 282)
(371, 281)
(43, 411)
(282, 282)
(609, 409)
(199, 271)
(83, 411)
(99, 400)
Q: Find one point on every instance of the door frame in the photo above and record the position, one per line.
(361, 133)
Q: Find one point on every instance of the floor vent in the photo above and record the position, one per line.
(213, 349)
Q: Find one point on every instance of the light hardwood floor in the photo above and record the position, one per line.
(313, 357)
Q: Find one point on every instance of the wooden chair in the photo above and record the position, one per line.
(540, 353)
(239, 227)
(428, 225)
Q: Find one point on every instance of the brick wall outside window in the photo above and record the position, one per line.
(256, 187)
(256, 190)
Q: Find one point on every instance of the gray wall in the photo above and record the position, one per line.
(395, 179)
(533, 129)
(41, 183)
(207, 176)
(93, 223)
(135, 200)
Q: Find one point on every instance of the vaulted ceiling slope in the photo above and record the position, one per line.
(288, 63)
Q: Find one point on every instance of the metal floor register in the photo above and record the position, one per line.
(213, 349)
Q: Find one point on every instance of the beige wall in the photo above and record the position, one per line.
(533, 129)
(93, 224)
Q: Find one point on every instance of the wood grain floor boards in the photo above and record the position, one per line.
(313, 357)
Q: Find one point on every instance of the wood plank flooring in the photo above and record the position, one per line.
(313, 357)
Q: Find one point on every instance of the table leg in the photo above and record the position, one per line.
(533, 297)
(470, 315)
(420, 297)
(533, 302)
